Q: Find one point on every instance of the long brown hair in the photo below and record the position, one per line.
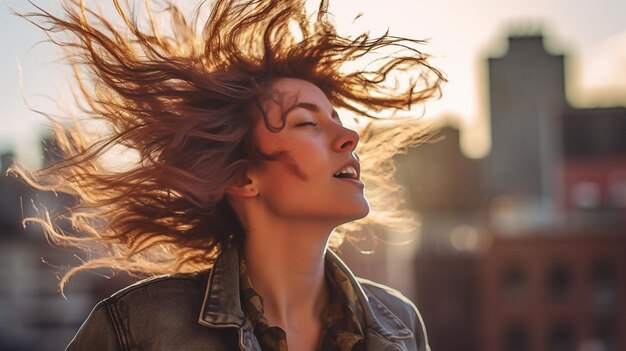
(180, 98)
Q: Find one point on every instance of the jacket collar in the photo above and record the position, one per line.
(378, 318)
(221, 307)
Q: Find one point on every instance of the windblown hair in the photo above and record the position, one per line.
(181, 100)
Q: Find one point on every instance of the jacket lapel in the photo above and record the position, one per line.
(221, 307)
(384, 329)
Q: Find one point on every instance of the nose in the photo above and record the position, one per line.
(347, 140)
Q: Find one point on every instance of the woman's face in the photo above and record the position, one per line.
(316, 176)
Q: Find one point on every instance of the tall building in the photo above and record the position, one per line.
(526, 99)
(524, 250)
(554, 277)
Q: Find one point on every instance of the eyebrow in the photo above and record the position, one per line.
(314, 108)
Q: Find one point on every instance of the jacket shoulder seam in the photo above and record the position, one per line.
(111, 313)
(148, 282)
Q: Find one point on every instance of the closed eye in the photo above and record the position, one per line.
(303, 124)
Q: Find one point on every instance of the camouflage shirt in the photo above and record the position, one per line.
(342, 318)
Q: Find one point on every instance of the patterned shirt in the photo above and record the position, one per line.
(342, 318)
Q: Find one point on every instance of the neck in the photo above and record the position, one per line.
(286, 267)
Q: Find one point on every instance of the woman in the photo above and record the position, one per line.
(243, 171)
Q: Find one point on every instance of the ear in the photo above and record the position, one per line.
(248, 188)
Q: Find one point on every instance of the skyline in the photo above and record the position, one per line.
(462, 35)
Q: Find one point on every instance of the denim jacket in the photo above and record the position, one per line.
(202, 311)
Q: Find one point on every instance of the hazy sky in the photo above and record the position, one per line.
(462, 34)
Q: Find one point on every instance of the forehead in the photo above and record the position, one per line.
(291, 91)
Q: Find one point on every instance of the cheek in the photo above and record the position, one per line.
(295, 169)
(308, 162)
(300, 158)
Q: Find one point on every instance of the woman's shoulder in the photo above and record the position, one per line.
(385, 293)
(385, 300)
(177, 296)
(135, 314)
(173, 286)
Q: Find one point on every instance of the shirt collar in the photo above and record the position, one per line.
(378, 317)
(344, 321)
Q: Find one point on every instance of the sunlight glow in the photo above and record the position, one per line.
(460, 34)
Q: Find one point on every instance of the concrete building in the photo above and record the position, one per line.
(524, 249)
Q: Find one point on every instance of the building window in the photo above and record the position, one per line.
(514, 284)
(516, 338)
(586, 195)
(603, 337)
(560, 338)
(603, 287)
(559, 282)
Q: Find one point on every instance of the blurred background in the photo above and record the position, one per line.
(521, 198)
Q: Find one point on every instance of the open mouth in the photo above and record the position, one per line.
(348, 172)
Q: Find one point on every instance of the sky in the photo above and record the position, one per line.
(461, 34)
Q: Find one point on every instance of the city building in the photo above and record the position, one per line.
(524, 249)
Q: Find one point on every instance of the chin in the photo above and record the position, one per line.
(360, 210)
(365, 212)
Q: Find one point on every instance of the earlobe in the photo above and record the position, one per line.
(245, 190)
